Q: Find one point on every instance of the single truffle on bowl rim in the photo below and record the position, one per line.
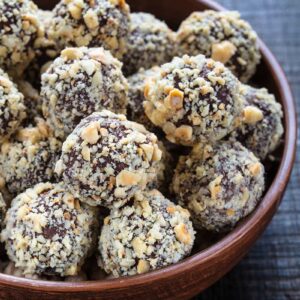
(219, 185)
(93, 23)
(12, 108)
(193, 99)
(107, 158)
(261, 128)
(19, 28)
(224, 37)
(49, 232)
(79, 82)
(29, 157)
(151, 42)
(148, 234)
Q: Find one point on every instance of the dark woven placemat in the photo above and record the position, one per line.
(272, 269)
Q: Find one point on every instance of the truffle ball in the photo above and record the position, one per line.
(2, 210)
(91, 23)
(79, 82)
(219, 185)
(193, 99)
(224, 37)
(12, 109)
(135, 108)
(29, 157)
(19, 27)
(151, 42)
(48, 231)
(261, 129)
(32, 100)
(149, 234)
(106, 159)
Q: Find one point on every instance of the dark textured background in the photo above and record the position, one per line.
(272, 268)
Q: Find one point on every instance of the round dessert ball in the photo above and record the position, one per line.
(32, 100)
(12, 109)
(2, 210)
(29, 157)
(106, 159)
(149, 234)
(94, 23)
(261, 129)
(80, 82)
(224, 37)
(19, 27)
(219, 185)
(193, 99)
(151, 42)
(135, 108)
(49, 232)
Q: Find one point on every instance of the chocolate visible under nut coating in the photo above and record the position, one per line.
(19, 27)
(92, 23)
(106, 159)
(193, 99)
(79, 82)
(224, 37)
(49, 232)
(151, 42)
(148, 234)
(29, 157)
(219, 185)
(2, 210)
(135, 108)
(261, 129)
(12, 109)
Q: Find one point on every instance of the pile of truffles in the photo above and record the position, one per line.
(123, 142)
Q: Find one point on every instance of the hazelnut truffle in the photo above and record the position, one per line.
(106, 159)
(2, 210)
(151, 42)
(79, 82)
(12, 109)
(261, 129)
(48, 231)
(224, 37)
(93, 23)
(29, 157)
(193, 99)
(219, 185)
(19, 27)
(135, 108)
(149, 234)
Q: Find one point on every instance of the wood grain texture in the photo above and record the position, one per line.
(271, 271)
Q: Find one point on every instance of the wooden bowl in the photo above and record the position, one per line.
(196, 273)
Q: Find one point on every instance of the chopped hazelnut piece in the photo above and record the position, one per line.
(126, 178)
(252, 115)
(182, 233)
(143, 266)
(90, 133)
(223, 51)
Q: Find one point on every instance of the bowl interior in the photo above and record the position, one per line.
(264, 77)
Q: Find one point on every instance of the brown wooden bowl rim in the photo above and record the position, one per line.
(231, 239)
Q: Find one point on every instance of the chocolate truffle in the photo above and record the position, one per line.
(79, 82)
(29, 157)
(48, 231)
(135, 108)
(19, 27)
(106, 159)
(261, 129)
(151, 42)
(93, 23)
(32, 100)
(219, 185)
(149, 234)
(224, 37)
(12, 109)
(193, 99)
(2, 210)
